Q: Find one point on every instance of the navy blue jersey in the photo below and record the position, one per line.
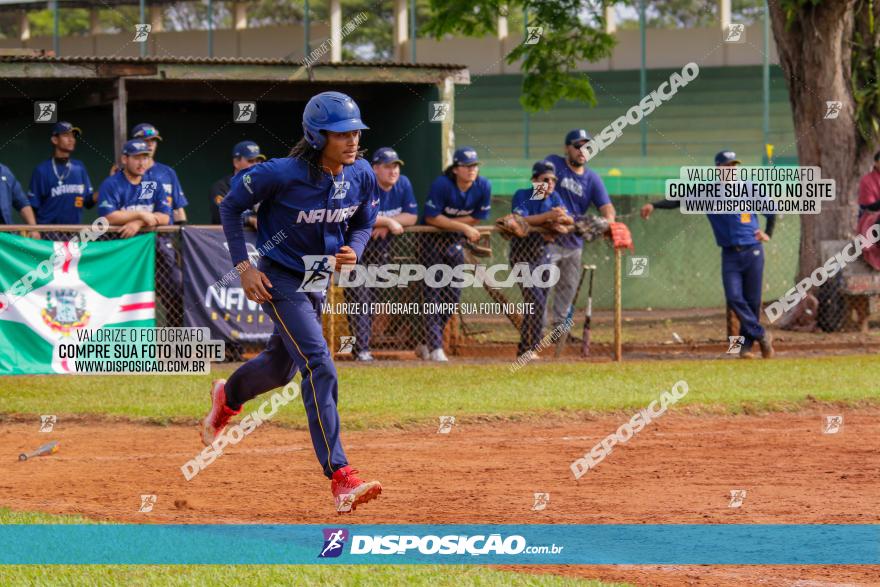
(445, 198)
(58, 195)
(318, 217)
(578, 192)
(117, 193)
(531, 248)
(398, 200)
(11, 195)
(524, 205)
(168, 178)
(735, 230)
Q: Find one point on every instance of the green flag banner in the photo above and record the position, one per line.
(105, 284)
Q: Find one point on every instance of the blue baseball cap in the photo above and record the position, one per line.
(145, 130)
(725, 157)
(386, 155)
(465, 156)
(62, 127)
(542, 167)
(248, 150)
(135, 147)
(577, 135)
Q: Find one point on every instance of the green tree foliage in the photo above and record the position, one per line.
(71, 21)
(573, 31)
(687, 13)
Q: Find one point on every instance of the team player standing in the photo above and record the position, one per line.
(541, 206)
(458, 200)
(742, 264)
(60, 187)
(579, 187)
(397, 210)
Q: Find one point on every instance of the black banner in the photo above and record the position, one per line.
(212, 291)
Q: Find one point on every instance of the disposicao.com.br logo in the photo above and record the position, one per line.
(431, 544)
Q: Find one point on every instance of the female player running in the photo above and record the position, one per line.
(321, 200)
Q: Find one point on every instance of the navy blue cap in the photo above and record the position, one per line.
(542, 167)
(386, 155)
(135, 147)
(465, 156)
(248, 150)
(726, 157)
(577, 135)
(62, 127)
(145, 130)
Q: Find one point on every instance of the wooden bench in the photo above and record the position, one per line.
(861, 287)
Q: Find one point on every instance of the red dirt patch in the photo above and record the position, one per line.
(679, 470)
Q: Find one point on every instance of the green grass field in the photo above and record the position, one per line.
(386, 396)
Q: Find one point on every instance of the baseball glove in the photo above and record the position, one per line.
(477, 250)
(590, 227)
(512, 225)
(560, 228)
(620, 236)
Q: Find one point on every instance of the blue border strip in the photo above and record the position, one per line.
(598, 544)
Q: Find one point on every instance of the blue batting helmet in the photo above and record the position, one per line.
(331, 111)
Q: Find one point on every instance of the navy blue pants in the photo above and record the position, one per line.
(377, 252)
(442, 249)
(533, 251)
(742, 273)
(297, 344)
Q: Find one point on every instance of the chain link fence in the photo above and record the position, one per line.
(670, 292)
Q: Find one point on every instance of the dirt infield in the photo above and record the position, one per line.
(679, 470)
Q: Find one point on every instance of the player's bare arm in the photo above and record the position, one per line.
(388, 224)
(552, 216)
(30, 218)
(463, 224)
(125, 216)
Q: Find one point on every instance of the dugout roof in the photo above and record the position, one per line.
(191, 100)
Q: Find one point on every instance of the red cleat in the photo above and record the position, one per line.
(215, 422)
(350, 491)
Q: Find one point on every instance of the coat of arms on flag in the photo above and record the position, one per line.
(106, 284)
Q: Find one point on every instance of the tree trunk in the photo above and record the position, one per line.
(815, 53)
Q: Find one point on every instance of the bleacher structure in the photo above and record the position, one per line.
(720, 109)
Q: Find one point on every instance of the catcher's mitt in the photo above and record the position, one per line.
(620, 236)
(512, 225)
(590, 227)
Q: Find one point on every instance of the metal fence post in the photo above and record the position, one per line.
(618, 342)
